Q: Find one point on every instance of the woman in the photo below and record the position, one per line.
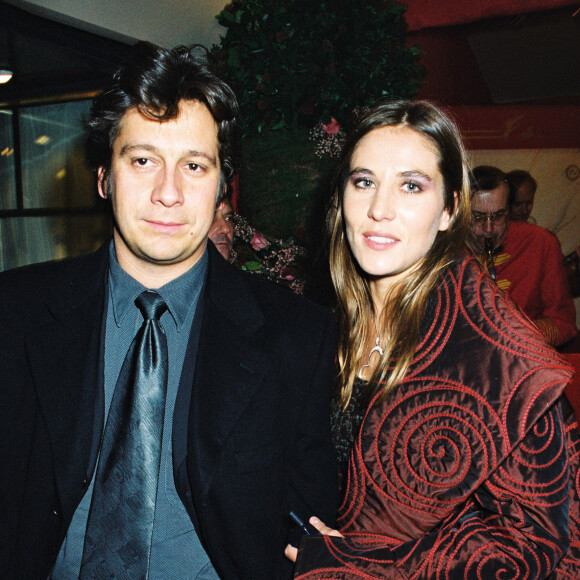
(457, 463)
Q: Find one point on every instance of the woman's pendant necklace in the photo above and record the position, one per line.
(376, 348)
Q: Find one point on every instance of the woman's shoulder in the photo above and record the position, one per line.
(480, 351)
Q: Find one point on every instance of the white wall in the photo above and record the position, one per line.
(557, 201)
(167, 23)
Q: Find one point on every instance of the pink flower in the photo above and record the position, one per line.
(259, 242)
(333, 127)
(288, 273)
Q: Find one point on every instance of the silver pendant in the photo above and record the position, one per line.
(376, 348)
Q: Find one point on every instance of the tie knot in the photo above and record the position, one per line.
(151, 305)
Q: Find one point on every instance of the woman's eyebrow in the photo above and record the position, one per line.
(415, 173)
(360, 170)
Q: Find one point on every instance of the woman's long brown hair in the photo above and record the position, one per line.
(405, 305)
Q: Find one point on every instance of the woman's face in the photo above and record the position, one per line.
(393, 203)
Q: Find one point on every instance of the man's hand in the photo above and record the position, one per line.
(291, 552)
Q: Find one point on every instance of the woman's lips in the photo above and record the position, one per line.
(379, 241)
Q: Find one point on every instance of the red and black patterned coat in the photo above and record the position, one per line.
(464, 471)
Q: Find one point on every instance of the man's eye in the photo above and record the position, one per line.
(141, 161)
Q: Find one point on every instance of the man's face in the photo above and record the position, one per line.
(489, 219)
(221, 232)
(523, 203)
(163, 182)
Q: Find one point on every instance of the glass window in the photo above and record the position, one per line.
(26, 240)
(7, 172)
(49, 207)
(54, 171)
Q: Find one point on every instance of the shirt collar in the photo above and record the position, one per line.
(180, 294)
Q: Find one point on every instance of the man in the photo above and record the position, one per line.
(221, 232)
(524, 259)
(101, 476)
(522, 189)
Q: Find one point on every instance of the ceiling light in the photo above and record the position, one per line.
(5, 75)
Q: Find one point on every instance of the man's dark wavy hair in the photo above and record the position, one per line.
(516, 178)
(154, 80)
(485, 178)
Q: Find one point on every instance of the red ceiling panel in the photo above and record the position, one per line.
(433, 13)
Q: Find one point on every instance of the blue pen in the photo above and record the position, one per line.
(306, 527)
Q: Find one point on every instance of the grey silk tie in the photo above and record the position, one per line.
(120, 524)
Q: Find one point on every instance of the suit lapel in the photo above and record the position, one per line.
(64, 363)
(230, 366)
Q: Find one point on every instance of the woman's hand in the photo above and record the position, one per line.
(291, 552)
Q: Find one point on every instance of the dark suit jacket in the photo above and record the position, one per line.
(256, 438)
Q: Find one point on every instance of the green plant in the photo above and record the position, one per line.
(296, 63)
(302, 70)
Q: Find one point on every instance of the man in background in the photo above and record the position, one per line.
(161, 412)
(221, 232)
(522, 189)
(525, 260)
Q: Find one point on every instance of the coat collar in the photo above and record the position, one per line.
(64, 362)
(231, 366)
(228, 291)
